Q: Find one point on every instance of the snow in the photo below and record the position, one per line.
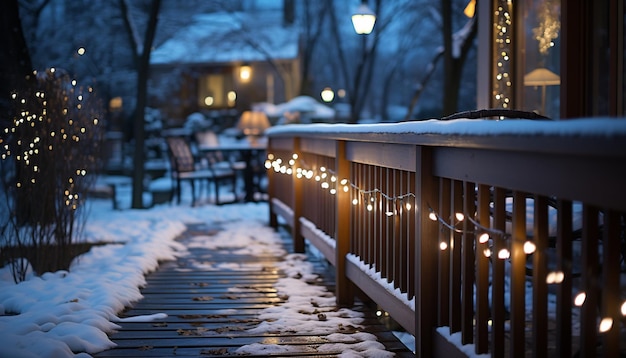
(68, 314)
(226, 37)
(606, 127)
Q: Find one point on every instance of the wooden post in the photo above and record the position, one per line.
(344, 289)
(298, 239)
(426, 253)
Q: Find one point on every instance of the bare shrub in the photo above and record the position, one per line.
(46, 154)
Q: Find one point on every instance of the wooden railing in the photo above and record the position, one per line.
(489, 231)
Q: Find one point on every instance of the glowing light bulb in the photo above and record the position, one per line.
(504, 254)
(606, 324)
(408, 206)
(487, 252)
(555, 277)
(624, 308)
(483, 238)
(459, 216)
(356, 202)
(580, 298)
(443, 246)
(370, 207)
(432, 216)
(529, 247)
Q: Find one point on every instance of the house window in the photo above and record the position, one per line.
(539, 43)
(216, 90)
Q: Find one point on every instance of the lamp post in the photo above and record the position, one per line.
(363, 21)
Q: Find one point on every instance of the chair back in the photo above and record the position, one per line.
(180, 154)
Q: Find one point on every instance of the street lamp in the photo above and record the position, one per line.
(363, 19)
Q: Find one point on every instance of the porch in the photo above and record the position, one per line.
(480, 236)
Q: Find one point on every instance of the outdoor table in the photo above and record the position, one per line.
(247, 151)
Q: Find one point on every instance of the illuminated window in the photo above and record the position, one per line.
(540, 78)
(216, 91)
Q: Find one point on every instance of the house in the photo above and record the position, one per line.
(223, 62)
(563, 59)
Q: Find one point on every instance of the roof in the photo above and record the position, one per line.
(229, 37)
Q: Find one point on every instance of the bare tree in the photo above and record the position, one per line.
(141, 52)
(456, 48)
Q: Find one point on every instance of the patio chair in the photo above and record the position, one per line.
(186, 168)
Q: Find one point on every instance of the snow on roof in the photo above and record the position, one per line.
(229, 37)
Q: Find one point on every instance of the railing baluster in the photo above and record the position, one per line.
(397, 250)
(482, 274)
(444, 255)
(411, 234)
(564, 290)
(455, 258)
(611, 282)
(540, 272)
(518, 276)
(497, 286)
(590, 284)
(467, 262)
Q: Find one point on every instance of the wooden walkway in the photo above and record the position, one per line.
(195, 302)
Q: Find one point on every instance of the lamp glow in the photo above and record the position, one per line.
(245, 72)
(327, 94)
(363, 20)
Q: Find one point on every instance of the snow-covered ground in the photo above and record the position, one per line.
(65, 314)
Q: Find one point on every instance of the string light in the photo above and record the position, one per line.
(502, 86)
(371, 197)
(329, 181)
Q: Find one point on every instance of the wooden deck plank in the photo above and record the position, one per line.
(210, 311)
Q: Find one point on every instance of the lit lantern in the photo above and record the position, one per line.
(363, 20)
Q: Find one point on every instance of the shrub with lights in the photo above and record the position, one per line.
(46, 153)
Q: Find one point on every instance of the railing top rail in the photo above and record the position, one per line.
(598, 136)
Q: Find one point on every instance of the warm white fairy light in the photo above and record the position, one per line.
(605, 325)
(329, 181)
(555, 277)
(459, 216)
(502, 86)
(483, 238)
(580, 298)
(529, 247)
(443, 246)
(504, 254)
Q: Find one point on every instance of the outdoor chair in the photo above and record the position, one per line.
(185, 167)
